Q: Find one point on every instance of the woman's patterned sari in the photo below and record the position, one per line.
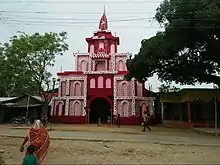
(39, 137)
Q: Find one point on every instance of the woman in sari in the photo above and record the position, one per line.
(39, 138)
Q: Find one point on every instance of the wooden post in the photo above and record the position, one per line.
(162, 112)
(189, 113)
(216, 118)
(181, 112)
(88, 111)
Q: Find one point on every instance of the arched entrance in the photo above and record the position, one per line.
(99, 108)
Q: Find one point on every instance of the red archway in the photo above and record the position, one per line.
(95, 97)
(90, 109)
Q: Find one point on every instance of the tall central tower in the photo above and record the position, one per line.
(102, 45)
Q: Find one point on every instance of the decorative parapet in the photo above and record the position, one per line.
(70, 97)
(145, 98)
(72, 78)
(127, 54)
(80, 54)
(124, 97)
(99, 55)
(100, 72)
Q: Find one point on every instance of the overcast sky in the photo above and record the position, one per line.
(80, 18)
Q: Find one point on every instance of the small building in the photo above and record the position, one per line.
(25, 105)
(190, 107)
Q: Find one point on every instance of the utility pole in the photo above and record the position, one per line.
(216, 118)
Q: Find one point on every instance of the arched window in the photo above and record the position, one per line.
(63, 88)
(124, 89)
(100, 66)
(77, 108)
(77, 89)
(144, 108)
(121, 65)
(139, 89)
(101, 45)
(92, 48)
(100, 82)
(71, 111)
(125, 109)
(112, 48)
(60, 109)
(108, 83)
(83, 65)
(92, 83)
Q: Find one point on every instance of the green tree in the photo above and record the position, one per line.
(187, 51)
(26, 59)
(167, 87)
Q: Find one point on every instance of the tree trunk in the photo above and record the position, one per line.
(44, 109)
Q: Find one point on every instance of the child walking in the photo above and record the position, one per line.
(30, 158)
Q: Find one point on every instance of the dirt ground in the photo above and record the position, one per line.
(84, 152)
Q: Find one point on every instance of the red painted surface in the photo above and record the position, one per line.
(122, 72)
(99, 91)
(69, 73)
(132, 120)
(68, 119)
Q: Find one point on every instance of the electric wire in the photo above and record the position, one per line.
(82, 2)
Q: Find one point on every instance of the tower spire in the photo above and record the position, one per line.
(103, 24)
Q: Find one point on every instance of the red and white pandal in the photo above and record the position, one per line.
(100, 74)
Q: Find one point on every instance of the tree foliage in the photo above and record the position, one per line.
(167, 87)
(25, 59)
(187, 51)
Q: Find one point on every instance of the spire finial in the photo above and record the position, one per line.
(103, 24)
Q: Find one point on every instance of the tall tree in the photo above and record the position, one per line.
(167, 87)
(26, 60)
(187, 51)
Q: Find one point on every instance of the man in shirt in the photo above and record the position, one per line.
(146, 119)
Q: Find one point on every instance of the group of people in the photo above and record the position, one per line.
(146, 119)
(108, 122)
(38, 141)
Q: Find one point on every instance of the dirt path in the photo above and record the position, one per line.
(84, 152)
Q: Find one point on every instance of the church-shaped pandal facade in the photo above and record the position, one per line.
(97, 89)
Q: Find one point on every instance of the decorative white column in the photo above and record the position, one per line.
(67, 86)
(59, 89)
(90, 65)
(52, 107)
(113, 62)
(162, 111)
(84, 112)
(133, 113)
(115, 93)
(67, 108)
(85, 92)
(152, 106)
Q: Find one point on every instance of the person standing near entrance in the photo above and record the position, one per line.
(99, 122)
(146, 118)
(108, 121)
